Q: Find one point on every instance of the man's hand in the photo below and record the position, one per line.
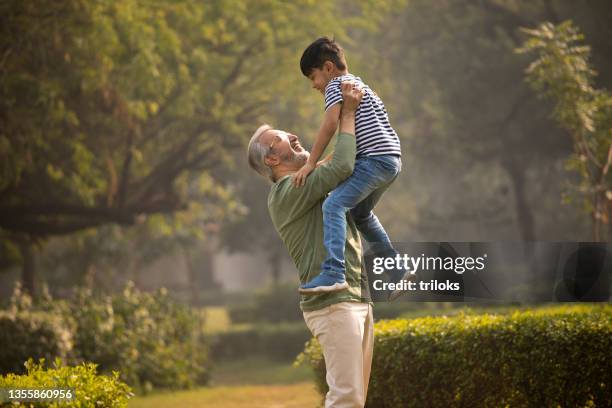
(325, 160)
(299, 178)
(351, 95)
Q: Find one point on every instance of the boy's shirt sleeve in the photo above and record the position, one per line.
(323, 179)
(333, 93)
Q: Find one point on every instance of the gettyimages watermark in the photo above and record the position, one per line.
(491, 271)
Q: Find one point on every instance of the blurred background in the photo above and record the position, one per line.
(123, 131)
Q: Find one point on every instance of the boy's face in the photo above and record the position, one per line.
(320, 77)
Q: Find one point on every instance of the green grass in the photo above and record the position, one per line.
(253, 382)
(299, 395)
(259, 371)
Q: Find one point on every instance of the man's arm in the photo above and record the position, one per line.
(327, 176)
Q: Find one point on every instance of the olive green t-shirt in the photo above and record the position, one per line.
(297, 216)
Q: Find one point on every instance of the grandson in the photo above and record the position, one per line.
(376, 166)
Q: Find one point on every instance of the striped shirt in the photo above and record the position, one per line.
(373, 132)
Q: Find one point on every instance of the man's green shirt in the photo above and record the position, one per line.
(298, 217)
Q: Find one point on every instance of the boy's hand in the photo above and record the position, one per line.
(299, 178)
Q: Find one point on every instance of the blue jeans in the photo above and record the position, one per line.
(358, 194)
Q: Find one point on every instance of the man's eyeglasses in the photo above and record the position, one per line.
(279, 137)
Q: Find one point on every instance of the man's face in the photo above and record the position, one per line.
(320, 78)
(286, 147)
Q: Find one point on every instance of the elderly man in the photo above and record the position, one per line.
(341, 321)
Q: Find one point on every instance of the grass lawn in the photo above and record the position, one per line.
(252, 382)
(300, 395)
(259, 371)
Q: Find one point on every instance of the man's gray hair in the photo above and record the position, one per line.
(257, 153)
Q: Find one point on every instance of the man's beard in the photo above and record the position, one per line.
(296, 158)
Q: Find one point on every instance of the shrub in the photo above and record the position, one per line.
(558, 356)
(152, 340)
(90, 389)
(32, 334)
(279, 341)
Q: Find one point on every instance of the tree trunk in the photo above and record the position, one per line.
(28, 271)
(275, 261)
(194, 287)
(523, 212)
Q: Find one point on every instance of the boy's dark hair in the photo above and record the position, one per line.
(321, 50)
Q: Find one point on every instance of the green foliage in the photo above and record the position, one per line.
(25, 335)
(153, 341)
(90, 389)
(563, 72)
(557, 356)
(276, 304)
(150, 340)
(134, 107)
(278, 341)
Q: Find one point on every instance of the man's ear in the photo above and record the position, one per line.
(271, 160)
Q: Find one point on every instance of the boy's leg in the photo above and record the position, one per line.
(362, 214)
(372, 230)
(366, 221)
(369, 175)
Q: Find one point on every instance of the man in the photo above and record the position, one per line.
(341, 321)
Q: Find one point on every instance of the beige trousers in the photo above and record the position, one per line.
(346, 334)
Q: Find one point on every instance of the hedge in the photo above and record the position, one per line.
(281, 342)
(275, 304)
(90, 389)
(153, 341)
(25, 335)
(557, 356)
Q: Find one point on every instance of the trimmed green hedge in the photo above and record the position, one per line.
(25, 335)
(281, 342)
(275, 304)
(90, 389)
(557, 356)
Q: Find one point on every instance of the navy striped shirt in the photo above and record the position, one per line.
(373, 132)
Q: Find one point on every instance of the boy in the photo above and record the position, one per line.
(377, 164)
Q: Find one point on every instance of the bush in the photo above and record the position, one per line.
(279, 341)
(275, 304)
(90, 390)
(153, 341)
(32, 334)
(558, 356)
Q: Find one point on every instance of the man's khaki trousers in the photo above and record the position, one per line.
(346, 334)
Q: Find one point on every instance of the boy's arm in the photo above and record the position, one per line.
(326, 132)
(325, 178)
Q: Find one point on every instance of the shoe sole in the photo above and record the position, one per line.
(336, 287)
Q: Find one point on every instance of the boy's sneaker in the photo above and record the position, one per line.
(399, 292)
(324, 283)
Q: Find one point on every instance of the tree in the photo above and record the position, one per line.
(472, 129)
(563, 72)
(110, 111)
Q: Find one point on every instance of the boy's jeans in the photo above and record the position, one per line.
(359, 193)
